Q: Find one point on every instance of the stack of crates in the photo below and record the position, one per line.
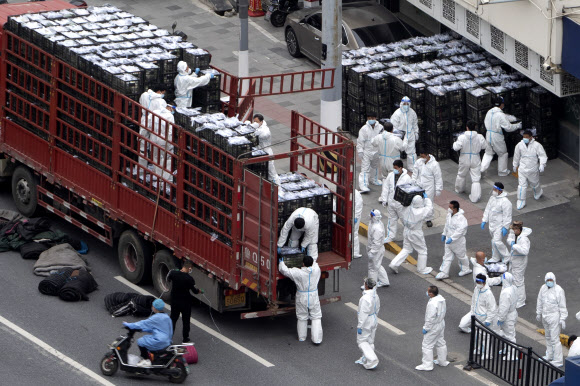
(478, 102)
(377, 94)
(436, 131)
(541, 116)
(355, 102)
(208, 97)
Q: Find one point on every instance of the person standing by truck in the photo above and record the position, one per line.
(182, 290)
(307, 301)
(185, 81)
(304, 224)
(265, 138)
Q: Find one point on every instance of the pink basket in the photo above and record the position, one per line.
(191, 355)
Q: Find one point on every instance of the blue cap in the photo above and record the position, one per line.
(158, 304)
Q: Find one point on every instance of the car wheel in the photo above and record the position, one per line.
(292, 43)
(278, 18)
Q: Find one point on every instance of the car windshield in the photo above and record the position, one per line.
(381, 33)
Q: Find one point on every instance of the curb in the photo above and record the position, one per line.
(563, 337)
(392, 247)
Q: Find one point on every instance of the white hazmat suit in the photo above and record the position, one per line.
(507, 315)
(151, 101)
(368, 153)
(395, 209)
(552, 312)
(358, 207)
(434, 338)
(265, 138)
(529, 160)
(310, 232)
(185, 82)
(307, 301)
(519, 261)
(498, 215)
(407, 122)
(376, 250)
(369, 306)
(428, 176)
(484, 307)
(413, 238)
(454, 231)
(495, 122)
(160, 147)
(389, 148)
(469, 144)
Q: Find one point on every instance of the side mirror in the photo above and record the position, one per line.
(301, 22)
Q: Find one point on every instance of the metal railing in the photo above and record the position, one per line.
(515, 364)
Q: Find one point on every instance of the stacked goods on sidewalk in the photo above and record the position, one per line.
(298, 191)
(449, 81)
(115, 47)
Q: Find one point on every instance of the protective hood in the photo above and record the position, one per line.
(507, 280)
(417, 202)
(460, 211)
(550, 275)
(182, 67)
(526, 232)
(502, 194)
(377, 216)
(405, 99)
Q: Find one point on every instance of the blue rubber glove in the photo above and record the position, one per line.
(487, 324)
(303, 249)
(425, 331)
(280, 261)
(442, 238)
(425, 195)
(513, 243)
(355, 220)
(359, 331)
(279, 250)
(197, 71)
(211, 76)
(500, 323)
(483, 225)
(504, 231)
(449, 240)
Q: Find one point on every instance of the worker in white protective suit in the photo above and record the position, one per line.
(265, 138)
(304, 224)
(552, 312)
(307, 301)
(519, 242)
(454, 238)
(157, 150)
(507, 315)
(484, 307)
(369, 306)
(573, 346)
(368, 153)
(434, 331)
(389, 148)
(469, 144)
(529, 161)
(498, 213)
(376, 249)
(413, 238)
(478, 270)
(358, 208)
(405, 120)
(185, 81)
(427, 175)
(398, 176)
(151, 99)
(495, 122)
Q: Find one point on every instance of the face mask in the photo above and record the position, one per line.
(162, 96)
(405, 108)
(480, 286)
(427, 293)
(450, 211)
(526, 141)
(550, 284)
(494, 193)
(371, 122)
(173, 112)
(396, 171)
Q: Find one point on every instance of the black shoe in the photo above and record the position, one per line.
(429, 224)
(187, 340)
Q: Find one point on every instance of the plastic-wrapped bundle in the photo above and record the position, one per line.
(436, 96)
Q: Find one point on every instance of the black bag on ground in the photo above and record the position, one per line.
(121, 303)
(32, 250)
(78, 286)
(53, 283)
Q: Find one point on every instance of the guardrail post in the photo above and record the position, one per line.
(470, 362)
(528, 367)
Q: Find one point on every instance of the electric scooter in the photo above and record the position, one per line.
(279, 10)
(168, 362)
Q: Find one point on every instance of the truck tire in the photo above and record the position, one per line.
(24, 192)
(134, 255)
(163, 263)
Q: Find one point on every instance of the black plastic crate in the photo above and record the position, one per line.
(324, 245)
(456, 97)
(542, 125)
(456, 110)
(518, 95)
(516, 109)
(292, 257)
(440, 153)
(479, 102)
(405, 197)
(377, 98)
(495, 93)
(356, 90)
(539, 96)
(415, 91)
(439, 127)
(356, 104)
(204, 96)
(194, 61)
(357, 77)
(437, 139)
(167, 66)
(433, 98)
(457, 124)
(132, 86)
(540, 113)
(381, 111)
(377, 83)
(437, 113)
(476, 115)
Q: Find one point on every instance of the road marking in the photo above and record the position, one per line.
(203, 327)
(381, 322)
(476, 376)
(55, 352)
(542, 186)
(264, 32)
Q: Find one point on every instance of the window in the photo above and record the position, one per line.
(381, 33)
(315, 21)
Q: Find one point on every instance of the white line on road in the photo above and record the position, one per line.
(55, 352)
(476, 376)
(381, 322)
(203, 327)
(266, 33)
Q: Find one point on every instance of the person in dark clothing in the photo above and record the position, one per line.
(182, 290)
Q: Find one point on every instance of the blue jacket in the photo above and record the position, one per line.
(161, 329)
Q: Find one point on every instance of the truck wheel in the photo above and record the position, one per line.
(24, 191)
(134, 257)
(163, 263)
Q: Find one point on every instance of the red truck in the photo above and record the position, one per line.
(71, 146)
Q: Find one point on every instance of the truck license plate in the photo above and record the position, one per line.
(233, 300)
